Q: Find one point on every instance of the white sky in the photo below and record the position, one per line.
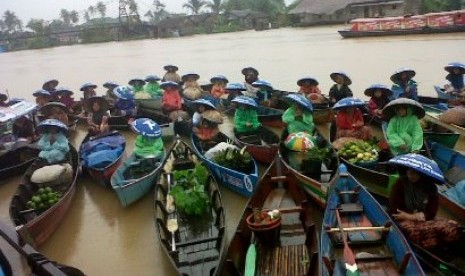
(50, 9)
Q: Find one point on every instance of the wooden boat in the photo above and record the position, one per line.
(356, 228)
(154, 104)
(442, 94)
(295, 251)
(37, 226)
(432, 115)
(267, 116)
(16, 161)
(430, 23)
(129, 190)
(241, 182)
(196, 248)
(38, 264)
(103, 175)
(315, 183)
(263, 146)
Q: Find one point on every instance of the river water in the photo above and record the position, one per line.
(102, 238)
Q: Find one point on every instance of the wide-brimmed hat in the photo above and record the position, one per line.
(3, 97)
(167, 84)
(123, 92)
(347, 80)
(246, 69)
(87, 85)
(64, 91)
(300, 100)
(245, 100)
(395, 78)
(309, 79)
(390, 109)
(110, 85)
(213, 116)
(190, 74)
(219, 78)
(420, 164)
(348, 102)
(41, 92)
(47, 108)
(52, 123)
(235, 86)
(90, 102)
(169, 66)
(204, 102)
(54, 83)
(262, 83)
(150, 78)
(146, 127)
(134, 81)
(370, 91)
(455, 65)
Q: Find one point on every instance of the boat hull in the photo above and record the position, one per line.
(155, 103)
(265, 150)
(21, 157)
(352, 34)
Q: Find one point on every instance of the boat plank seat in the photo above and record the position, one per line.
(276, 261)
(350, 208)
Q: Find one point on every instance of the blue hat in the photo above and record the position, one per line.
(204, 102)
(347, 80)
(123, 92)
(169, 66)
(146, 127)
(152, 78)
(167, 84)
(370, 91)
(300, 100)
(86, 85)
(395, 78)
(52, 123)
(136, 80)
(244, 100)
(263, 83)
(235, 86)
(64, 91)
(348, 102)
(420, 164)
(244, 70)
(452, 65)
(309, 79)
(41, 92)
(190, 74)
(110, 85)
(219, 78)
(54, 81)
(390, 109)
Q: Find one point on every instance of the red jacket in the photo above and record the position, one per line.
(345, 121)
(171, 100)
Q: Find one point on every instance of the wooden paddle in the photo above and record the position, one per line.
(172, 223)
(348, 254)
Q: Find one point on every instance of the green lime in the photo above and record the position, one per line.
(48, 189)
(41, 190)
(36, 199)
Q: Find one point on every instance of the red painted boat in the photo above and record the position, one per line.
(263, 146)
(37, 226)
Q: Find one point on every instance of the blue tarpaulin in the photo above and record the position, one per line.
(102, 152)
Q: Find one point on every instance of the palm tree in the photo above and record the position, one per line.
(133, 10)
(86, 16)
(101, 8)
(64, 14)
(91, 11)
(2, 26)
(194, 5)
(74, 16)
(216, 6)
(12, 22)
(36, 25)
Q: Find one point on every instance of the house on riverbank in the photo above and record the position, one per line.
(317, 12)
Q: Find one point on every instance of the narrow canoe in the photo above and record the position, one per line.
(36, 227)
(16, 161)
(129, 190)
(267, 116)
(103, 174)
(200, 240)
(121, 122)
(442, 94)
(154, 104)
(316, 185)
(296, 252)
(240, 182)
(375, 241)
(263, 146)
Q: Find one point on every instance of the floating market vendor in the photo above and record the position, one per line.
(349, 119)
(42, 97)
(153, 87)
(265, 93)
(124, 105)
(233, 90)
(171, 74)
(55, 110)
(404, 86)
(97, 108)
(109, 96)
(148, 144)
(65, 96)
(250, 76)
(89, 90)
(455, 79)
(50, 86)
(200, 106)
(137, 85)
(298, 116)
(340, 89)
(245, 117)
(53, 142)
(218, 89)
(191, 90)
(172, 101)
(379, 97)
(208, 130)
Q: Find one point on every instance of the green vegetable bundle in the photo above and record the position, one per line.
(235, 159)
(44, 198)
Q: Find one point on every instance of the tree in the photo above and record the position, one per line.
(133, 10)
(38, 26)
(86, 16)
(158, 14)
(101, 8)
(64, 14)
(194, 5)
(216, 6)
(74, 16)
(91, 11)
(12, 22)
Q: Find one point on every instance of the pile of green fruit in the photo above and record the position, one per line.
(359, 151)
(44, 198)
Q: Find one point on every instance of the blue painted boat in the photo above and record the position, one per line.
(442, 94)
(377, 244)
(240, 182)
(128, 189)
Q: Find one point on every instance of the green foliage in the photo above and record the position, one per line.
(322, 153)
(440, 5)
(235, 159)
(189, 192)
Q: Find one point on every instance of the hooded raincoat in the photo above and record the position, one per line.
(148, 147)
(405, 130)
(399, 90)
(244, 116)
(305, 124)
(153, 88)
(56, 151)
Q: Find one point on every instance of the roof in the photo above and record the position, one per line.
(245, 13)
(328, 6)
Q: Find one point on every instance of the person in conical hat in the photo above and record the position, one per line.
(218, 89)
(3, 99)
(379, 97)
(88, 90)
(307, 86)
(55, 110)
(349, 119)
(455, 78)
(414, 202)
(298, 116)
(149, 143)
(171, 74)
(65, 96)
(340, 89)
(404, 86)
(53, 142)
(50, 86)
(42, 97)
(200, 106)
(265, 93)
(246, 117)
(250, 76)
(97, 108)
(124, 105)
(109, 96)
(192, 90)
(208, 130)
(404, 132)
(152, 86)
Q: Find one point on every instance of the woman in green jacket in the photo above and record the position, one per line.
(245, 117)
(148, 144)
(299, 116)
(152, 86)
(404, 132)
